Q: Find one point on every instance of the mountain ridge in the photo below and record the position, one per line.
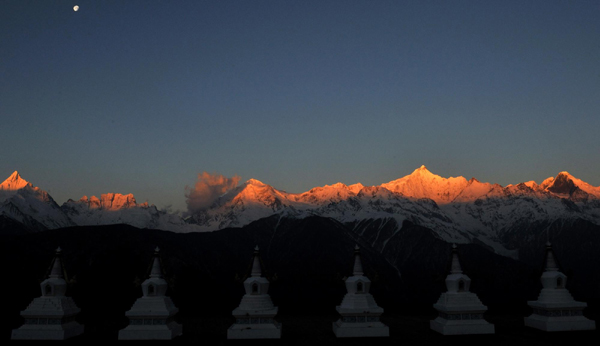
(457, 209)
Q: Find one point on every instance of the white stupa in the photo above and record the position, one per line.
(460, 311)
(51, 316)
(151, 316)
(555, 309)
(360, 313)
(254, 316)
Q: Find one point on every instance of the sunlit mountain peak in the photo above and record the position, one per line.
(253, 181)
(421, 183)
(14, 182)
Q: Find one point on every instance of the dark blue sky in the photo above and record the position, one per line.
(141, 96)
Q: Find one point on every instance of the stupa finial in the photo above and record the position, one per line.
(256, 271)
(455, 268)
(56, 271)
(156, 270)
(358, 269)
(550, 261)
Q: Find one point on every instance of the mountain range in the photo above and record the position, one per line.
(455, 209)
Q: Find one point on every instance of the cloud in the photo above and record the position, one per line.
(208, 188)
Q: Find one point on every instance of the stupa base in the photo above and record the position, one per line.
(461, 327)
(559, 323)
(151, 332)
(254, 331)
(47, 332)
(358, 330)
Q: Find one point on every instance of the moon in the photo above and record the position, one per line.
(75, 8)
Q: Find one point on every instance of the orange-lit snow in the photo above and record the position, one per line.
(14, 182)
(423, 184)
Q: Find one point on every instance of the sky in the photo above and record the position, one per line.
(143, 96)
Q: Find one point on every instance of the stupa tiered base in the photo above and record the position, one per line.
(360, 326)
(151, 318)
(558, 320)
(461, 324)
(145, 330)
(50, 331)
(255, 327)
(460, 314)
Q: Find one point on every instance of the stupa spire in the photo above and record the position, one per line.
(156, 270)
(358, 269)
(455, 268)
(56, 271)
(550, 261)
(256, 271)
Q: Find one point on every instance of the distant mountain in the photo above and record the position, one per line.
(423, 184)
(115, 208)
(455, 209)
(30, 206)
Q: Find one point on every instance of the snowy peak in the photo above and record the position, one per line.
(566, 184)
(474, 190)
(547, 182)
(29, 205)
(422, 170)
(329, 193)
(254, 182)
(14, 182)
(376, 192)
(108, 201)
(532, 184)
(115, 201)
(356, 187)
(254, 192)
(563, 184)
(421, 183)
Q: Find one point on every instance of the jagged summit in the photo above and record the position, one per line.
(14, 182)
(421, 171)
(421, 183)
(546, 182)
(107, 201)
(448, 204)
(29, 205)
(567, 184)
(253, 181)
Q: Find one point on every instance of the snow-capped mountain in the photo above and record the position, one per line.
(36, 210)
(457, 209)
(115, 208)
(29, 205)
(423, 184)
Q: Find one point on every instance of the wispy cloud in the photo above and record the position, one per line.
(207, 189)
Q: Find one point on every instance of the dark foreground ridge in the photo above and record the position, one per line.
(305, 260)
